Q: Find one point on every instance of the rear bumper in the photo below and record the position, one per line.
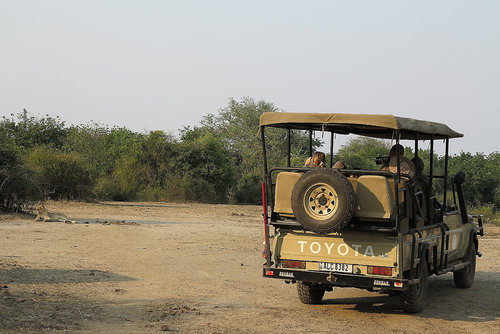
(337, 279)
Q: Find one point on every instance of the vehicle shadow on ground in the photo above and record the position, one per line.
(51, 276)
(444, 301)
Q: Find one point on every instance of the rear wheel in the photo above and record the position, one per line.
(413, 299)
(464, 277)
(310, 294)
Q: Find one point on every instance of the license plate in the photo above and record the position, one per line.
(338, 267)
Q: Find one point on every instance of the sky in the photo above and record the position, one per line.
(162, 65)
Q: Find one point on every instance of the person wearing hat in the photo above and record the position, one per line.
(406, 166)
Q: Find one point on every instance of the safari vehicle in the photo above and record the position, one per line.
(380, 230)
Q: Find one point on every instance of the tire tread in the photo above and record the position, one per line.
(464, 278)
(343, 188)
(309, 294)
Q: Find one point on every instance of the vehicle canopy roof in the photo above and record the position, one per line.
(380, 126)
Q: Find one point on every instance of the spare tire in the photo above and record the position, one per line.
(323, 201)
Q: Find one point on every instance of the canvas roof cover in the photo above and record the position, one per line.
(381, 126)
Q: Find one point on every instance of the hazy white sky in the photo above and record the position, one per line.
(151, 65)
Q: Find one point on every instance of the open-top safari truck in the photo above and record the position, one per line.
(380, 230)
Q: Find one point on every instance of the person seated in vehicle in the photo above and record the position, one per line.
(406, 166)
(422, 178)
(425, 183)
(419, 167)
(339, 165)
(318, 160)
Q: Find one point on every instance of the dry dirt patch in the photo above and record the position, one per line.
(193, 268)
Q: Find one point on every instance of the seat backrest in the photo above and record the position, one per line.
(283, 194)
(374, 197)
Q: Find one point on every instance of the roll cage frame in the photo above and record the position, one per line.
(396, 176)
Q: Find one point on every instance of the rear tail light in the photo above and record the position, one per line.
(293, 264)
(385, 271)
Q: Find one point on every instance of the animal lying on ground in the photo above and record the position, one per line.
(46, 216)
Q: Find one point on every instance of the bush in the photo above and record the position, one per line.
(60, 175)
(153, 194)
(360, 152)
(488, 211)
(482, 177)
(205, 168)
(17, 186)
(29, 131)
(197, 190)
(249, 189)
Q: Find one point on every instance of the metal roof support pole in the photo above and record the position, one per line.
(289, 146)
(267, 177)
(416, 145)
(431, 174)
(398, 160)
(331, 148)
(416, 156)
(310, 142)
(431, 165)
(446, 171)
(396, 184)
(263, 139)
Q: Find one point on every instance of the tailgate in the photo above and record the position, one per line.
(358, 250)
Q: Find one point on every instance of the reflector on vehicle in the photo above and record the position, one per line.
(293, 264)
(386, 271)
(269, 273)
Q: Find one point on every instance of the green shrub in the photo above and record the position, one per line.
(197, 190)
(205, 168)
(60, 175)
(30, 131)
(155, 194)
(488, 211)
(249, 189)
(17, 185)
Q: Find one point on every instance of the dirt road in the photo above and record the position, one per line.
(192, 268)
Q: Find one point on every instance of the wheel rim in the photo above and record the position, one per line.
(321, 201)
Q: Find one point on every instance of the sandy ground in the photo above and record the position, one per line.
(192, 268)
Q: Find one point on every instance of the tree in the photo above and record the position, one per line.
(155, 155)
(237, 125)
(206, 167)
(482, 176)
(17, 186)
(100, 146)
(29, 131)
(143, 171)
(59, 175)
(360, 152)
